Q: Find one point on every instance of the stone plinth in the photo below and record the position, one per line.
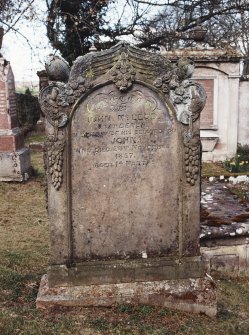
(123, 169)
(195, 295)
(14, 156)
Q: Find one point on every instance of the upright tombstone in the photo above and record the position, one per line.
(14, 156)
(123, 168)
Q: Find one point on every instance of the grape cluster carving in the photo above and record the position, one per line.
(55, 163)
(192, 163)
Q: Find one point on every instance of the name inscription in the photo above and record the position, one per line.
(121, 130)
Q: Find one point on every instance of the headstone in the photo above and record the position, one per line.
(14, 156)
(123, 170)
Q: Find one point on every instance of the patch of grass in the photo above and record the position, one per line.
(146, 309)
(9, 279)
(100, 324)
(35, 138)
(125, 308)
(38, 164)
(213, 169)
(216, 169)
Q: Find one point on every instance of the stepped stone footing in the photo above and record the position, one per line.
(191, 295)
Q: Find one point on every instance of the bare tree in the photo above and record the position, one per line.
(74, 25)
(13, 12)
(226, 23)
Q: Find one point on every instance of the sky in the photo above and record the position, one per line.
(27, 59)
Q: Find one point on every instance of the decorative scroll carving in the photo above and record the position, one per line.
(192, 157)
(50, 98)
(123, 73)
(54, 160)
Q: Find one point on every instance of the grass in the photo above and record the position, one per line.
(217, 169)
(35, 138)
(24, 255)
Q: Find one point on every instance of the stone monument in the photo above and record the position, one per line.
(14, 156)
(123, 169)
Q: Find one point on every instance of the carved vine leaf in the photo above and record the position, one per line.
(54, 160)
(192, 158)
(123, 73)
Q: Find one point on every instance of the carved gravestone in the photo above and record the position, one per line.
(15, 162)
(123, 170)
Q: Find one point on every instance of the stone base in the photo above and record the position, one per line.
(227, 256)
(15, 166)
(190, 295)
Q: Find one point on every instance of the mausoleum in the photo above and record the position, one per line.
(225, 118)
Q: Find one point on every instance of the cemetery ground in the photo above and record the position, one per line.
(24, 255)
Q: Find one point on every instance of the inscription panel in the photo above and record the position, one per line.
(12, 95)
(124, 176)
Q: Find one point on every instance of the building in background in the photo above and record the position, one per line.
(225, 119)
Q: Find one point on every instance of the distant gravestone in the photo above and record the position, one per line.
(14, 156)
(123, 169)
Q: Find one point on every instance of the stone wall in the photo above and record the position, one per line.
(207, 116)
(243, 133)
(227, 255)
(220, 136)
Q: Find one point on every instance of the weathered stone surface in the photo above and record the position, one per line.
(123, 168)
(15, 166)
(122, 142)
(14, 157)
(190, 295)
(122, 271)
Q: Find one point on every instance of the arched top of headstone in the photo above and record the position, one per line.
(125, 65)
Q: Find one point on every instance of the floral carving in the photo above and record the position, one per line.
(164, 82)
(123, 73)
(72, 91)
